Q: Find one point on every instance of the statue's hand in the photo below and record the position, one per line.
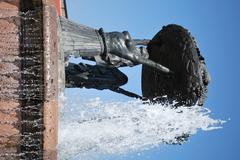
(122, 50)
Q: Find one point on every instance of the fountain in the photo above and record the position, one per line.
(32, 77)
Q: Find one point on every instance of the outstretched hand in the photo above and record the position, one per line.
(122, 50)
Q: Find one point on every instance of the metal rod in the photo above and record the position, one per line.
(65, 8)
(143, 42)
(126, 93)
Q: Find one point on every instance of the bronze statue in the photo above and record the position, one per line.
(172, 63)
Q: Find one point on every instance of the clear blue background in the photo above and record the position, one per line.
(215, 24)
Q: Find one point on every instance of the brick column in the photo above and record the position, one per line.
(10, 105)
(26, 111)
(51, 79)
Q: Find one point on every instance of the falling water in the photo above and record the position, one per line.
(90, 127)
(22, 85)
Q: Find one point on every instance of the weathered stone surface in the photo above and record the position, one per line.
(9, 79)
(50, 81)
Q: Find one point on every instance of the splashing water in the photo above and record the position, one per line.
(120, 127)
(21, 82)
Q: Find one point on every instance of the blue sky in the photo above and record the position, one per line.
(215, 24)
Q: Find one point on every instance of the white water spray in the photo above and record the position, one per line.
(121, 127)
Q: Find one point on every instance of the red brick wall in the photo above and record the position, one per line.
(9, 78)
